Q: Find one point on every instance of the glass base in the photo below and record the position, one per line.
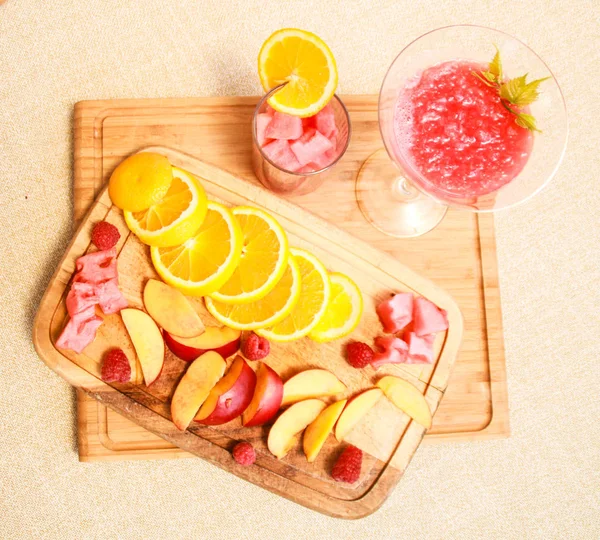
(391, 203)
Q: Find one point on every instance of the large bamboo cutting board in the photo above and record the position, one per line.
(388, 436)
(459, 254)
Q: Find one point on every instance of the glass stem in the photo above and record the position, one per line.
(404, 190)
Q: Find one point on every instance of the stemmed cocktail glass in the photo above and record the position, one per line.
(397, 196)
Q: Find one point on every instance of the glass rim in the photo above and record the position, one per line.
(295, 173)
(421, 180)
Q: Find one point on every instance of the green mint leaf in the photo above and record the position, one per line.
(495, 67)
(526, 121)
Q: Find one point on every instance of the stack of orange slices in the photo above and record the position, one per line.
(239, 259)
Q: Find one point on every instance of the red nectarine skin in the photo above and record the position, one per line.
(185, 353)
(189, 354)
(267, 397)
(234, 401)
(229, 349)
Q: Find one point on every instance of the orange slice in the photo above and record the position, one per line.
(305, 64)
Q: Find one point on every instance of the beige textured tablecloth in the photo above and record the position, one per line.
(543, 482)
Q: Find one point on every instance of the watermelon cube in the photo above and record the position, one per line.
(308, 149)
(269, 110)
(396, 312)
(392, 350)
(325, 121)
(262, 121)
(309, 122)
(284, 126)
(306, 136)
(333, 138)
(420, 349)
(279, 152)
(324, 160)
(428, 318)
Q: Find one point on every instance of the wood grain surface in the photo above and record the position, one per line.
(388, 436)
(459, 254)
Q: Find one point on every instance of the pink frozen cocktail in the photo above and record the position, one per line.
(471, 118)
(454, 130)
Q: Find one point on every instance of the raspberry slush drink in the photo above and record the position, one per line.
(463, 127)
(455, 132)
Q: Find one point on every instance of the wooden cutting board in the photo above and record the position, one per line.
(459, 254)
(388, 437)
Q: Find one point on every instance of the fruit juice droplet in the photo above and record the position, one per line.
(454, 130)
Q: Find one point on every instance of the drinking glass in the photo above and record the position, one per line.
(286, 182)
(400, 200)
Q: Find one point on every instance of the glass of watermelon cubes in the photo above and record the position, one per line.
(294, 155)
(452, 139)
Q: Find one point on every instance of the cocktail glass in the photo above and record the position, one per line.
(286, 182)
(398, 199)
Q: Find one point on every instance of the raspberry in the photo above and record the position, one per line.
(359, 354)
(116, 367)
(105, 235)
(347, 466)
(244, 454)
(255, 347)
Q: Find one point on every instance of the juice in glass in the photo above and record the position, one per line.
(455, 133)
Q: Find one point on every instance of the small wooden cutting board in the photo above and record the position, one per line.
(388, 436)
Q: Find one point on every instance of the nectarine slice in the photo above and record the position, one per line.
(223, 340)
(194, 387)
(147, 341)
(230, 396)
(408, 398)
(317, 432)
(357, 407)
(171, 310)
(137, 374)
(267, 397)
(282, 434)
(310, 384)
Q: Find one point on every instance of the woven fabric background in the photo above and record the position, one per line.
(543, 482)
